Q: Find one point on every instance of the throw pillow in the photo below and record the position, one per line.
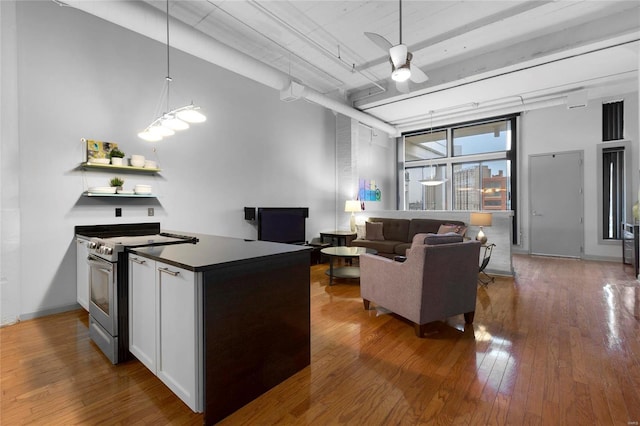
(458, 229)
(361, 232)
(435, 239)
(374, 231)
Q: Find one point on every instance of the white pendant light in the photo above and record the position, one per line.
(174, 123)
(158, 129)
(176, 119)
(191, 115)
(149, 137)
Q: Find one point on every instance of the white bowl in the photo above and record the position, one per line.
(137, 158)
(102, 190)
(142, 189)
(99, 160)
(137, 163)
(149, 164)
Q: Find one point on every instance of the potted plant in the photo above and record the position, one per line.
(116, 157)
(117, 182)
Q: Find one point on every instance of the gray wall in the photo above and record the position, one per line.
(78, 76)
(558, 129)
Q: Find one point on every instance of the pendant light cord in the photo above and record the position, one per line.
(168, 69)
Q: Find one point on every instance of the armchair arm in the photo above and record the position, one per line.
(394, 285)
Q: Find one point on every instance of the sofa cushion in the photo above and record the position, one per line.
(361, 232)
(393, 229)
(435, 239)
(374, 231)
(401, 249)
(452, 227)
(381, 246)
(426, 226)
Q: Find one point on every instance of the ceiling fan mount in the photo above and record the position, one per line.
(400, 59)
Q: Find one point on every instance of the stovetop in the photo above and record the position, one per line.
(107, 241)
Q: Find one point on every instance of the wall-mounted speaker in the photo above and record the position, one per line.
(249, 213)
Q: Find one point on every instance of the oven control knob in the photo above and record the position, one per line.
(93, 245)
(107, 250)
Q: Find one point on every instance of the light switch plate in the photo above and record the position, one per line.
(150, 211)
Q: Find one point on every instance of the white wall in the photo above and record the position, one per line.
(80, 77)
(559, 129)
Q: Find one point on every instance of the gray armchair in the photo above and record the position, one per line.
(435, 282)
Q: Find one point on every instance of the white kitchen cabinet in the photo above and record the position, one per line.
(142, 310)
(165, 320)
(82, 272)
(179, 346)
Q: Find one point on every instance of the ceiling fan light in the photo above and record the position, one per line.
(174, 123)
(401, 74)
(191, 115)
(158, 129)
(148, 136)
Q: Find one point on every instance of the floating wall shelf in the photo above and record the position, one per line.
(111, 167)
(89, 194)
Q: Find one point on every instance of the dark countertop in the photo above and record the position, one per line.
(211, 251)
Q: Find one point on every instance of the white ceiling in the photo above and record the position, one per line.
(479, 55)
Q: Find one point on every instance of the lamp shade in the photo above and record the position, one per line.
(401, 74)
(174, 123)
(352, 206)
(191, 115)
(149, 137)
(480, 219)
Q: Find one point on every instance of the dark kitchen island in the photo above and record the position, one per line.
(256, 315)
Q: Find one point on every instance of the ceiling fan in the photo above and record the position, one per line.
(400, 58)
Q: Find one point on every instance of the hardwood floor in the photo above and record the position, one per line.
(559, 344)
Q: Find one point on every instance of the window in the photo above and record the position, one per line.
(481, 185)
(613, 190)
(482, 138)
(612, 121)
(425, 188)
(426, 146)
(473, 164)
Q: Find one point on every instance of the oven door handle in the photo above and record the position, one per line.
(100, 264)
(169, 271)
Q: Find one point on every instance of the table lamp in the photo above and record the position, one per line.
(480, 219)
(352, 206)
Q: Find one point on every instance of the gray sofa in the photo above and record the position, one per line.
(398, 234)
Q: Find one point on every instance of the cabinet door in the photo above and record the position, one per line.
(142, 310)
(179, 343)
(82, 273)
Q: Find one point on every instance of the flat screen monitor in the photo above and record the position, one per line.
(282, 224)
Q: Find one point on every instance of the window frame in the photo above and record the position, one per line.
(628, 183)
(451, 159)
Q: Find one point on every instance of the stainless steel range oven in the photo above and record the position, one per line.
(103, 305)
(108, 280)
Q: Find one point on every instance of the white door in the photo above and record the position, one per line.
(556, 204)
(142, 310)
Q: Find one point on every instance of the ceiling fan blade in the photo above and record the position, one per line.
(398, 55)
(403, 86)
(417, 75)
(382, 42)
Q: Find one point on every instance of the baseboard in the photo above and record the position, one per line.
(50, 311)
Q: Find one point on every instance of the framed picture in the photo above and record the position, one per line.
(99, 149)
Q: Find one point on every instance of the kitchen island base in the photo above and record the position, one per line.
(256, 329)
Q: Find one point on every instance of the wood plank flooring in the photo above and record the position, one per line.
(557, 345)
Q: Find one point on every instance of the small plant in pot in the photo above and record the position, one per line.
(117, 182)
(116, 157)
